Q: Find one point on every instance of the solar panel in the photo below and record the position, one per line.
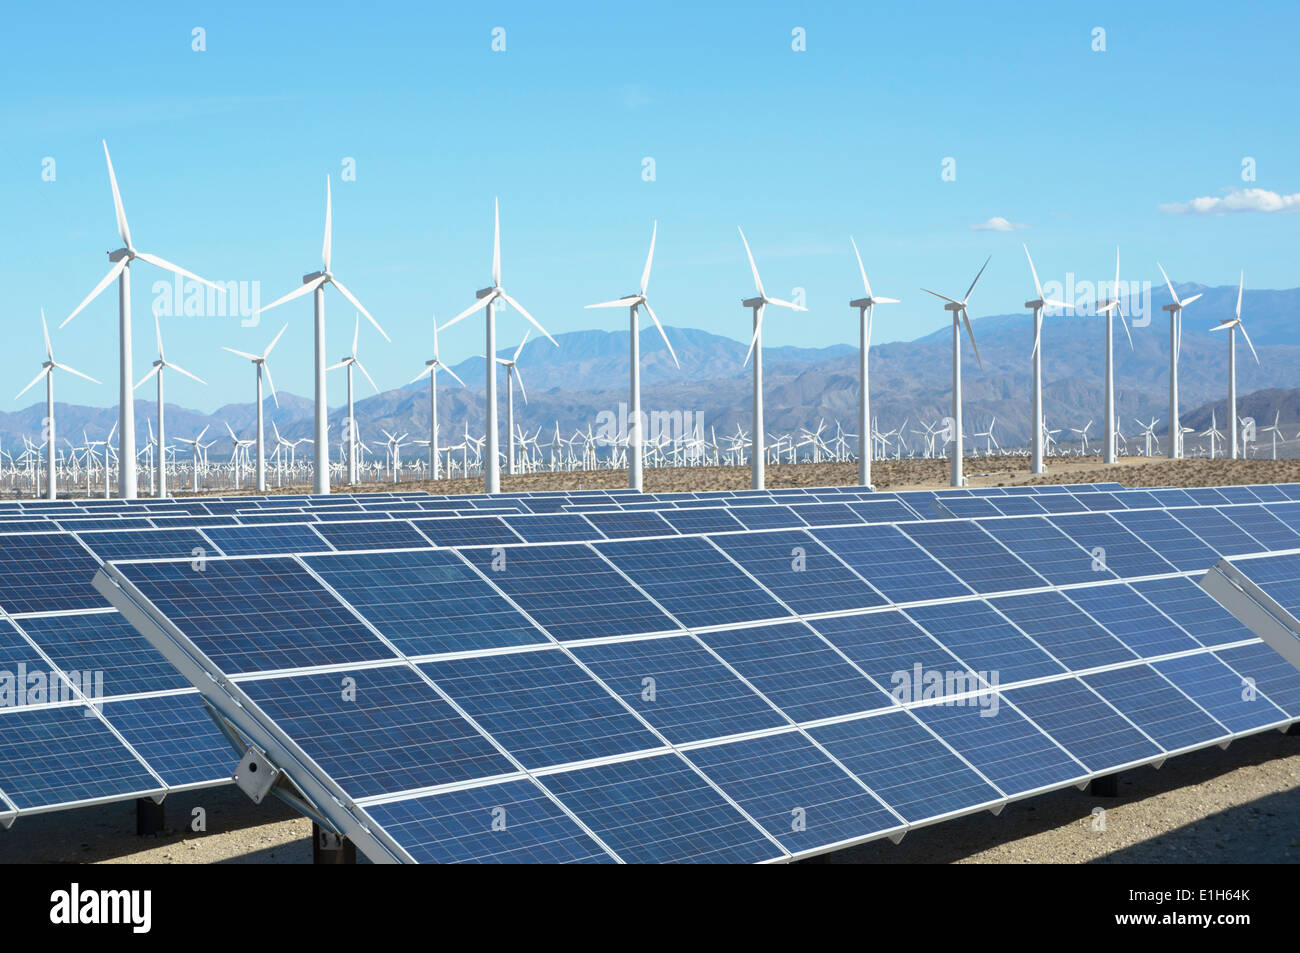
(1056, 557)
(702, 520)
(1167, 536)
(558, 527)
(1155, 706)
(1132, 620)
(147, 544)
(1224, 536)
(973, 556)
(1221, 691)
(46, 572)
(373, 534)
(267, 540)
(1063, 629)
(1089, 728)
(1194, 610)
(467, 531)
(985, 641)
(1112, 545)
(1269, 672)
(103, 642)
(767, 517)
(799, 571)
(1262, 526)
(891, 562)
(176, 736)
(625, 525)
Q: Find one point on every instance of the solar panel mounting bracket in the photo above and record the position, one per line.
(256, 775)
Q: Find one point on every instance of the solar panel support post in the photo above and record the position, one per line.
(1105, 786)
(330, 848)
(150, 817)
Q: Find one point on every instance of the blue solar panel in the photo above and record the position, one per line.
(1090, 729)
(907, 767)
(1222, 692)
(659, 810)
(1056, 557)
(467, 531)
(1170, 538)
(825, 514)
(513, 822)
(1262, 526)
(148, 544)
(1132, 620)
(710, 520)
(541, 707)
(1272, 674)
(624, 525)
(895, 652)
(985, 641)
(554, 528)
(1237, 494)
(800, 796)
(176, 735)
(103, 642)
(1003, 746)
(1221, 533)
(256, 614)
(265, 540)
(377, 730)
(882, 511)
(691, 579)
(799, 672)
(426, 602)
(46, 572)
(570, 591)
(680, 688)
(1278, 576)
(1269, 493)
(1063, 629)
(970, 507)
(975, 557)
(1156, 706)
(374, 534)
(1205, 496)
(1018, 506)
(65, 754)
(1112, 545)
(1194, 609)
(767, 517)
(892, 563)
(799, 571)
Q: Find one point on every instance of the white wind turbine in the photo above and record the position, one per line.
(866, 311)
(486, 298)
(1175, 309)
(431, 368)
(958, 309)
(121, 270)
(262, 364)
(1231, 325)
(1110, 308)
(315, 283)
(161, 443)
(758, 305)
(350, 434)
(1036, 358)
(512, 374)
(635, 436)
(47, 371)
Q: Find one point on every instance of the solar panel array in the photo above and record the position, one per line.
(739, 695)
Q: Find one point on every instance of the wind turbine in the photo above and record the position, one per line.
(1175, 309)
(47, 371)
(635, 437)
(486, 298)
(1275, 430)
(758, 305)
(958, 309)
(315, 283)
(1231, 325)
(1111, 308)
(866, 310)
(121, 270)
(431, 368)
(512, 373)
(261, 364)
(350, 362)
(161, 443)
(1036, 357)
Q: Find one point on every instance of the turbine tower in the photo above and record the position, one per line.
(350, 435)
(1231, 325)
(758, 305)
(121, 270)
(161, 463)
(958, 310)
(315, 283)
(1175, 309)
(486, 298)
(1036, 357)
(1111, 308)
(431, 369)
(635, 437)
(261, 364)
(866, 310)
(47, 371)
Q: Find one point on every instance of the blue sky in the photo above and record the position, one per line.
(221, 156)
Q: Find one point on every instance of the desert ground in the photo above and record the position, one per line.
(1241, 805)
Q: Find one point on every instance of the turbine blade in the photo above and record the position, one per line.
(758, 282)
(1248, 341)
(73, 370)
(476, 306)
(645, 274)
(1033, 271)
(427, 370)
(937, 295)
(520, 348)
(616, 303)
(275, 340)
(45, 329)
(786, 304)
(496, 243)
(295, 293)
(251, 357)
(519, 378)
(360, 307)
(1240, 287)
(181, 370)
(520, 308)
(122, 228)
(758, 327)
(152, 372)
(266, 366)
(1169, 283)
(885, 301)
(971, 334)
(1124, 321)
(865, 284)
(663, 334)
(356, 333)
(164, 263)
(452, 373)
(361, 367)
(329, 226)
(1188, 301)
(103, 283)
(977, 278)
(35, 381)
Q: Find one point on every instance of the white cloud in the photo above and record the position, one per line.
(1235, 200)
(997, 224)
